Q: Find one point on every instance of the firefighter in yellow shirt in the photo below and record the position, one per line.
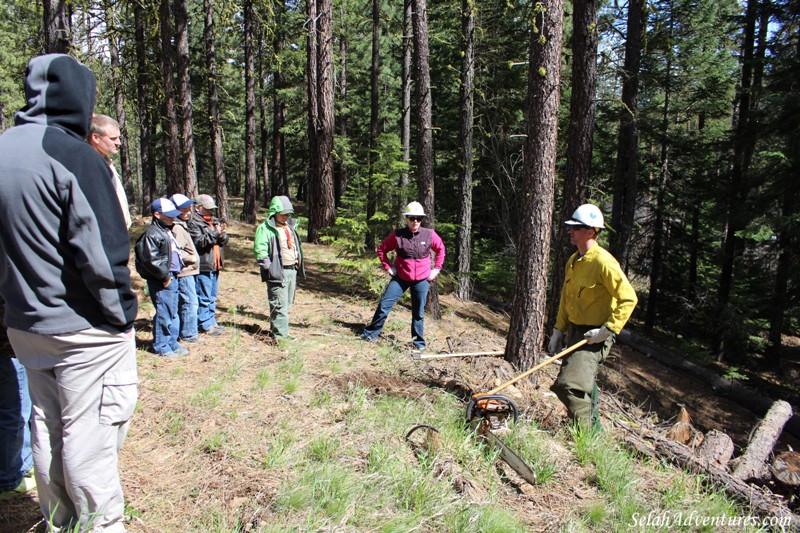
(596, 302)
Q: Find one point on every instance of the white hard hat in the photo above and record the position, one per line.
(587, 215)
(414, 209)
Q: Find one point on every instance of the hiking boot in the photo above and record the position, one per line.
(216, 330)
(28, 484)
(195, 340)
(182, 351)
(171, 354)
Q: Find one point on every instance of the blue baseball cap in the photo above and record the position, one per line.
(181, 201)
(165, 207)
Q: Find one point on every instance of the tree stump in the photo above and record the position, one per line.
(717, 448)
(786, 468)
(752, 464)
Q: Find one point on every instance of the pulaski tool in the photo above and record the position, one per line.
(490, 411)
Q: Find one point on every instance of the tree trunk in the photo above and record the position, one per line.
(627, 164)
(119, 102)
(209, 40)
(405, 113)
(752, 465)
(787, 231)
(144, 105)
(340, 171)
(424, 101)
(372, 195)
(263, 135)
(579, 139)
(185, 98)
(659, 231)
(737, 186)
(321, 202)
(280, 183)
(526, 327)
(312, 89)
(250, 204)
(169, 121)
(57, 34)
(466, 104)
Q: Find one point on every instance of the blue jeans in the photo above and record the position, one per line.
(187, 306)
(166, 323)
(393, 292)
(16, 455)
(207, 288)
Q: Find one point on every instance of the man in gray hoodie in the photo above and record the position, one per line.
(69, 305)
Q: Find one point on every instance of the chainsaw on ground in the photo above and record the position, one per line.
(489, 412)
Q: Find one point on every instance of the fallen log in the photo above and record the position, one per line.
(716, 449)
(760, 500)
(732, 390)
(753, 462)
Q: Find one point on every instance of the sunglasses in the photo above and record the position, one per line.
(416, 219)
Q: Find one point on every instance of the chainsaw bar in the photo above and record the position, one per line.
(507, 454)
(490, 412)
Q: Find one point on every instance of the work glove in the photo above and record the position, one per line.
(264, 263)
(555, 340)
(597, 335)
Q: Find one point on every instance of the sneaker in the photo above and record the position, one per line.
(170, 354)
(216, 330)
(195, 340)
(28, 484)
(182, 351)
(367, 339)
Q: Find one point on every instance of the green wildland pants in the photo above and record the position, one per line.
(281, 298)
(576, 384)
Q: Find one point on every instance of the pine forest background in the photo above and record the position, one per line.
(679, 118)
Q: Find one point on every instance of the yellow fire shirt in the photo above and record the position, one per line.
(595, 292)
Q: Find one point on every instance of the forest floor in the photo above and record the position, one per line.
(226, 438)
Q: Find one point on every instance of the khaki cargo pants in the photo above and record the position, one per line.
(576, 384)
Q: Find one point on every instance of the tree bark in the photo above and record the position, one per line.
(467, 105)
(280, 182)
(57, 33)
(752, 465)
(759, 500)
(263, 135)
(209, 40)
(736, 218)
(526, 327)
(250, 204)
(321, 202)
(424, 108)
(185, 109)
(119, 102)
(144, 104)
(169, 121)
(627, 164)
(405, 112)
(579, 139)
(340, 172)
(716, 448)
(372, 195)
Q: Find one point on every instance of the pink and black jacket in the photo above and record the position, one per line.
(413, 261)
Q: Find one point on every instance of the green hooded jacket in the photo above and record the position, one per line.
(266, 247)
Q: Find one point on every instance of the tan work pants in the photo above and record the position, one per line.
(84, 390)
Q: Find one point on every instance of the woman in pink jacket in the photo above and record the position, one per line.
(412, 270)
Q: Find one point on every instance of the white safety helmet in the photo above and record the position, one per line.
(587, 215)
(414, 209)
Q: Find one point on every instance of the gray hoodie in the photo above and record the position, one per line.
(63, 242)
